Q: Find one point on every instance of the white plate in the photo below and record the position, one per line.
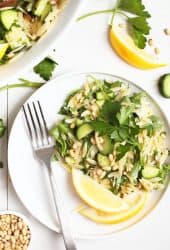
(41, 48)
(29, 178)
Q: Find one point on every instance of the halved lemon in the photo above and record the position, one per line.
(123, 44)
(96, 195)
(135, 202)
(3, 48)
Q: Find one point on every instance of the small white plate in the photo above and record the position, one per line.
(29, 177)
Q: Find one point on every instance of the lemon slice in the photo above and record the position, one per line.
(136, 203)
(3, 48)
(123, 44)
(96, 195)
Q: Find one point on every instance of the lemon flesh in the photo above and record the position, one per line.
(123, 44)
(136, 204)
(96, 195)
(3, 48)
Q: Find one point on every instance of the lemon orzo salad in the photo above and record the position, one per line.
(113, 136)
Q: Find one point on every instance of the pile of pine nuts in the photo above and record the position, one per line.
(14, 233)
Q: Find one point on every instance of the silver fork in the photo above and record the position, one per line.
(43, 147)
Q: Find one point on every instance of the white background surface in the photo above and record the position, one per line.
(85, 48)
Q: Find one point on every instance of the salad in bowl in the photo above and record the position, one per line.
(22, 23)
(115, 147)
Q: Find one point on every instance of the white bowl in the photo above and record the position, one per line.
(20, 216)
(41, 48)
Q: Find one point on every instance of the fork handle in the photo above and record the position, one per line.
(62, 213)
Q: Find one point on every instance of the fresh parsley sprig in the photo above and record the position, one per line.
(138, 25)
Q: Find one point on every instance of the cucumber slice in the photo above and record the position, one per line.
(84, 130)
(103, 160)
(63, 127)
(150, 172)
(164, 85)
(100, 103)
(40, 7)
(16, 38)
(8, 17)
(107, 146)
(99, 96)
(79, 122)
(46, 11)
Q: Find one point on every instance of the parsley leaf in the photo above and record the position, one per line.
(102, 127)
(140, 24)
(45, 68)
(124, 114)
(122, 150)
(109, 111)
(139, 28)
(138, 38)
(134, 7)
(2, 128)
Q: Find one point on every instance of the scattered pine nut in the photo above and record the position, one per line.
(167, 31)
(157, 51)
(150, 42)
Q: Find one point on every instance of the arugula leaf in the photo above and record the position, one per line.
(2, 128)
(124, 114)
(109, 111)
(134, 7)
(102, 127)
(45, 68)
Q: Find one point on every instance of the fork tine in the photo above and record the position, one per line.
(39, 123)
(28, 124)
(44, 122)
(33, 123)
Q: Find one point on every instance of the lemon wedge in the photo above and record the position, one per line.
(123, 44)
(96, 195)
(3, 48)
(135, 202)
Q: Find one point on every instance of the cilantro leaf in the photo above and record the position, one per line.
(45, 68)
(109, 111)
(134, 7)
(2, 128)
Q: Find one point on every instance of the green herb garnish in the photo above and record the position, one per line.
(138, 25)
(45, 68)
